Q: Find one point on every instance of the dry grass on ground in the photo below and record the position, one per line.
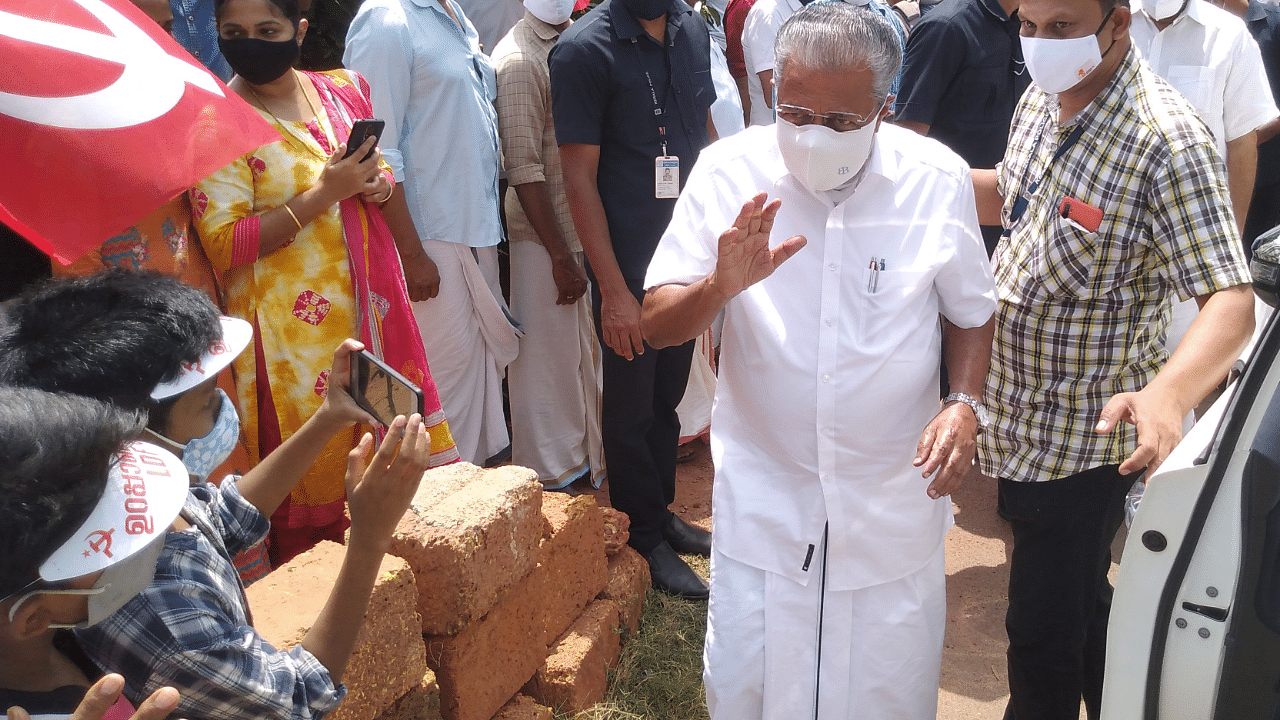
(660, 674)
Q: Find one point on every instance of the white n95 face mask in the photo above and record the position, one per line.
(1059, 64)
(821, 158)
(551, 12)
(1162, 9)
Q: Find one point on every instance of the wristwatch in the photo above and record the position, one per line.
(979, 410)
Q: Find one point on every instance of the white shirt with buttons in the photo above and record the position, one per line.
(829, 370)
(1209, 56)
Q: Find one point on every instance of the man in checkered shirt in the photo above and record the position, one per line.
(1083, 395)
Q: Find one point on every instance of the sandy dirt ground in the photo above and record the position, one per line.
(973, 663)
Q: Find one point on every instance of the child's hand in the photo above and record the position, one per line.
(339, 410)
(379, 494)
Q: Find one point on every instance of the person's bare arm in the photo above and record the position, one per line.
(378, 494)
(420, 272)
(1242, 171)
(990, 203)
(569, 277)
(1203, 357)
(676, 314)
(1268, 131)
(766, 86)
(271, 481)
(744, 92)
(949, 441)
(619, 309)
(919, 127)
(339, 180)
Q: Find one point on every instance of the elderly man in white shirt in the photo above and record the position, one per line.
(435, 88)
(827, 576)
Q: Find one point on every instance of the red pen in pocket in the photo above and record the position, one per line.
(1081, 213)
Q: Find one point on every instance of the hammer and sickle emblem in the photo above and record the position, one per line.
(100, 541)
(152, 83)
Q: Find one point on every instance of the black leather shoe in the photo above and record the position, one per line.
(673, 576)
(686, 538)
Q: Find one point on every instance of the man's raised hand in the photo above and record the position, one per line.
(744, 256)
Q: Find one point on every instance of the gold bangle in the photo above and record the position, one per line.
(295, 217)
(390, 192)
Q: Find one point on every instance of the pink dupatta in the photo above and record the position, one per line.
(383, 313)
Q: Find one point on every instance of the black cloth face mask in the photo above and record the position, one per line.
(647, 9)
(259, 61)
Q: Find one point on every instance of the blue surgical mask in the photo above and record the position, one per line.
(203, 455)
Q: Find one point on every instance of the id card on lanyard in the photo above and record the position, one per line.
(666, 168)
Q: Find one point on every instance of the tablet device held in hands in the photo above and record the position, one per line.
(381, 391)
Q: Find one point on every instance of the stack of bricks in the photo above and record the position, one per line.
(497, 602)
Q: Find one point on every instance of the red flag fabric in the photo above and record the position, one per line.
(103, 118)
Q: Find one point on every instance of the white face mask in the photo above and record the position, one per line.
(821, 158)
(1162, 9)
(1059, 64)
(117, 585)
(860, 3)
(551, 12)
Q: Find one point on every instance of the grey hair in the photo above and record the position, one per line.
(837, 36)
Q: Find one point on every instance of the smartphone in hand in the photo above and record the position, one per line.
(361, 130)
(381, 391)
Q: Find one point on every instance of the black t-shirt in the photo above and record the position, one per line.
(962, 74)
(601, 96)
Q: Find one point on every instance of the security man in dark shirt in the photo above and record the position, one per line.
(631, 92)
(962, 75)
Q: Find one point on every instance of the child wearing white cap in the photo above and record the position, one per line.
(135, 338)
(84, 511)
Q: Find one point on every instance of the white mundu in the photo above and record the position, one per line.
(828, 375)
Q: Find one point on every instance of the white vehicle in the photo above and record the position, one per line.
(1195, 622)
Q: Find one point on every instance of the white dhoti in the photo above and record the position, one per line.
(881, 646)
(469, 341)
(694, 409)
(555, 381)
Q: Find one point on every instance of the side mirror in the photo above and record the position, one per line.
(1265, 266)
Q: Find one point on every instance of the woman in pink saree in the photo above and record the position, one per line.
(298, 234)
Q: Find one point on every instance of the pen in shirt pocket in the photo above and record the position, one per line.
(876, 266)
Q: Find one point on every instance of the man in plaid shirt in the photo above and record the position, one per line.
(1114, 202)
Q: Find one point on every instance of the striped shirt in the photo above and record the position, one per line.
(529, 150)
(1083, 315)
(191, 628)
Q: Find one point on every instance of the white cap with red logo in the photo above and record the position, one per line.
(236, 334)
(145, 491)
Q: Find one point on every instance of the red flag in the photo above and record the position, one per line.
(103, 118)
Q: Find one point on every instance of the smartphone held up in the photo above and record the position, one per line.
(362, 130)
(381, 391)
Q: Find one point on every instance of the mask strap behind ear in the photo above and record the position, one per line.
(13, 609)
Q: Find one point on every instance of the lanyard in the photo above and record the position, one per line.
(1020, 205)
(659, 111)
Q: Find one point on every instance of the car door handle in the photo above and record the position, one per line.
(1213, 613)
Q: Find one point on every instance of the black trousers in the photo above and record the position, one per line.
(640, 429)
(1059, 596)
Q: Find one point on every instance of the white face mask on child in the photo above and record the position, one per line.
(117, 585)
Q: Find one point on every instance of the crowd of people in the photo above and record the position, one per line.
(898, 244)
